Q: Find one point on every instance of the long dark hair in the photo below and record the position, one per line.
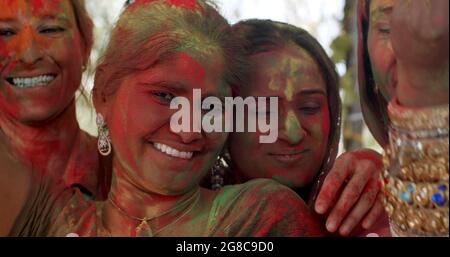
(258, 36)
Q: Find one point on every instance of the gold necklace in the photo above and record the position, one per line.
(143, 229)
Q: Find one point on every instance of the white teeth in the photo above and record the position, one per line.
(173, 152)
(33, 82)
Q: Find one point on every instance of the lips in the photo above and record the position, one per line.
(31, 81)
(172, 152)
(288, 156)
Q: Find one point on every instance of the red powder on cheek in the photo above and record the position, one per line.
(6, 66)
(326, 122)
(3, 49)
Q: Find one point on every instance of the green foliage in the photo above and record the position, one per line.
(341, 46)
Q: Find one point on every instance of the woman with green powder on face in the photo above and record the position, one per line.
(287, 62)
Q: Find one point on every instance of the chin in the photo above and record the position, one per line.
(36, 115)
(170, 187)
(295, 181)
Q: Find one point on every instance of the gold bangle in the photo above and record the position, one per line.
(428, 169)
(418, 119)
(418, 195)
(418, 221)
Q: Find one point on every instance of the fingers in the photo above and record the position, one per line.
(350, 195)
(333, 182)
(375, 213)
(361, 208)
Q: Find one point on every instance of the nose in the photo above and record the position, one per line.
(291, 130)
(194, 133)
(30, 51)
(190, 137)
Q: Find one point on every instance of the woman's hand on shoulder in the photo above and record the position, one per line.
(350, 194)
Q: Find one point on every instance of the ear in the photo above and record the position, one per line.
(101, 107)
(102, 103)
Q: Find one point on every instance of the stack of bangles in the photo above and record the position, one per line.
(415, 179)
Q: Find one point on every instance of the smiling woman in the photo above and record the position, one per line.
(288, 63)
(44, 49)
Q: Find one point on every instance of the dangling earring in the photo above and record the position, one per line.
(218, 172)
(104, 142)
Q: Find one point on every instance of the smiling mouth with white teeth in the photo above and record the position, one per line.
(31, 82)
(173, 152)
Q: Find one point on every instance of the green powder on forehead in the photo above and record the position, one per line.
(197, 45)
(177, 24)
(292, 67)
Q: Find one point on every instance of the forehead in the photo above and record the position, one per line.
(13, 9)
(291, 66)
(188, 72)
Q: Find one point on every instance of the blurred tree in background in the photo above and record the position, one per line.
(344, 52)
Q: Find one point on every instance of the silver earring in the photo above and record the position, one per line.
(104, 142)
(218, 173)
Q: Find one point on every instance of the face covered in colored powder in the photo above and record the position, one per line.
(41, 42)
(380, 49)
(148, 152)
(295, 158)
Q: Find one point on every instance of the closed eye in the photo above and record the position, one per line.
(51, 30)
(310, 110)
(7, 32)
(385, 30)
(383, 27)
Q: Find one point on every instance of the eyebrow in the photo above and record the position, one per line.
(173, 85)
